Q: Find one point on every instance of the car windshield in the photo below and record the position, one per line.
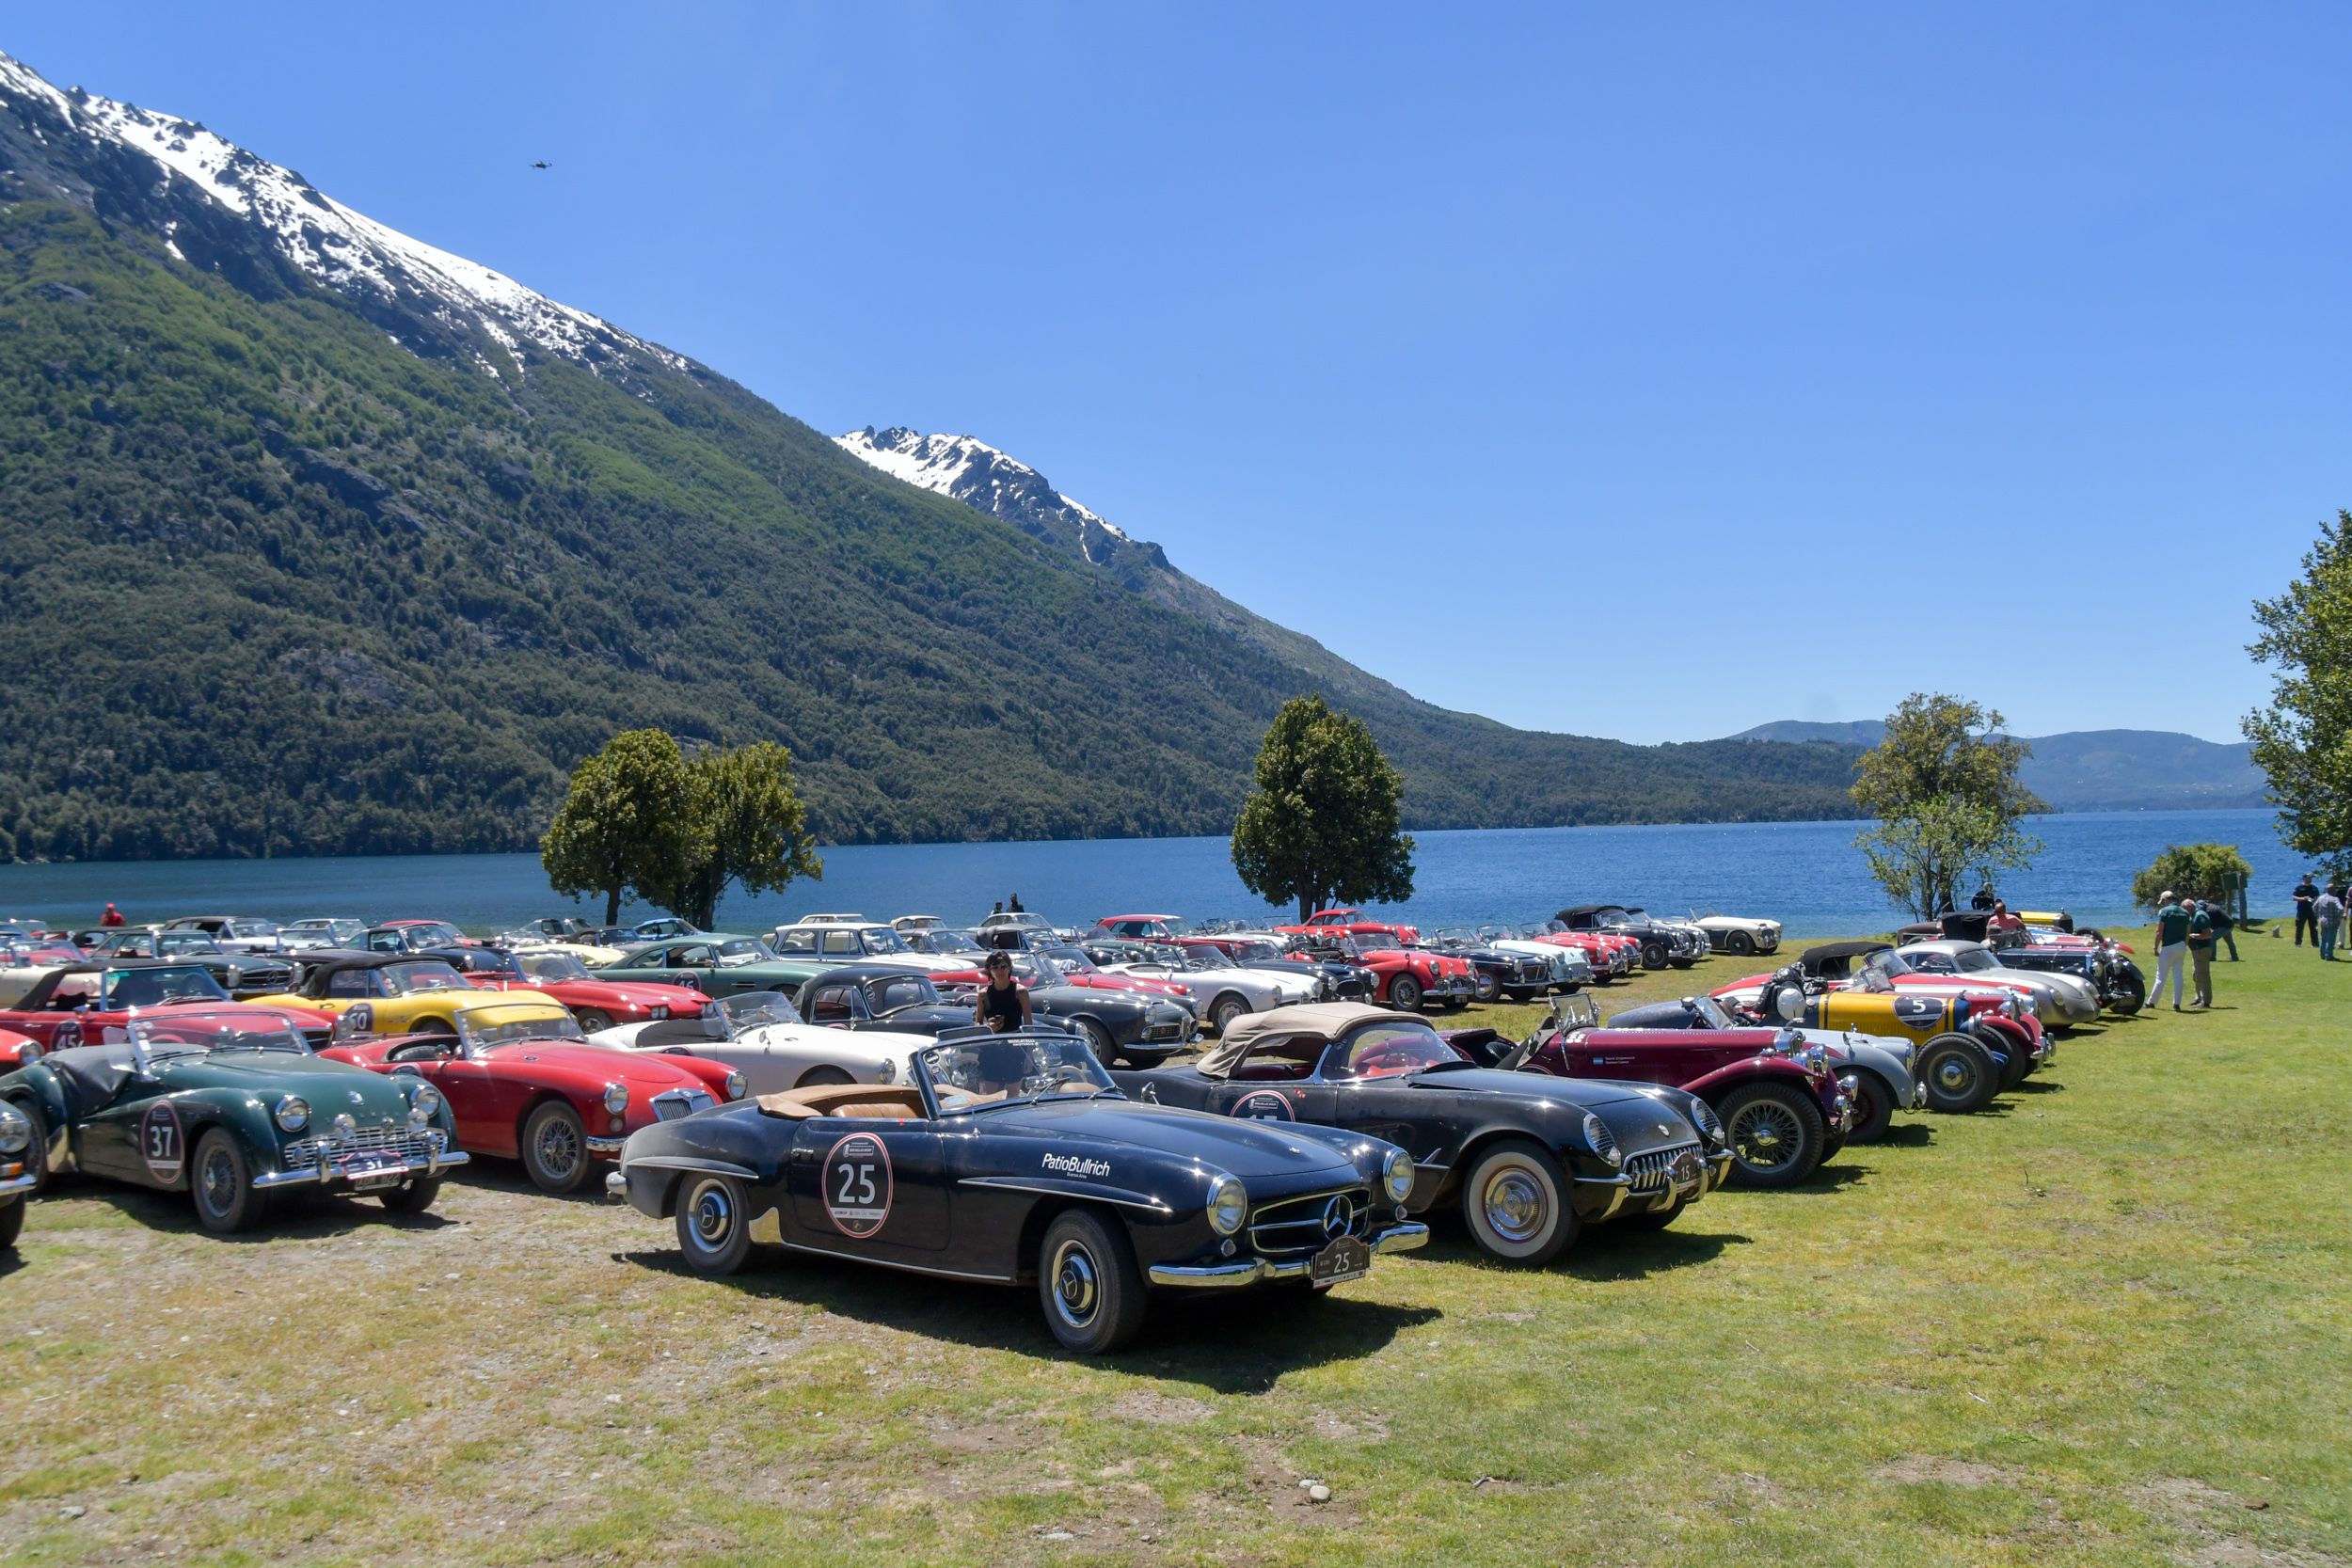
(431, 933)
(1387, 1050)
(427, 974)
(1257, 952)
(743, 950)
(880, 940)
(252, 928)
(901, 991)
(1974, 960)
(1712, 1011)
(549, 968)
(195, 1031)
(1340, 946)
(1072, 961)
(154, 987)
(752, 1009)
(1889, 962)
(486, 1032)
(173, 943)
(947, 942)
(1205, 957)
(969, 1075)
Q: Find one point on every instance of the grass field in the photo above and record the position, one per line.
(2106, 1323)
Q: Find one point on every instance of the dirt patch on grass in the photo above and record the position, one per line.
(1913, 1469)
(2208, 1514)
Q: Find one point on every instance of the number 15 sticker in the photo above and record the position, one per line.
(857, 1184)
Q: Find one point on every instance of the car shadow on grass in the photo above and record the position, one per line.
(1237, 1342)
(289, 1216)
(492, 1173)
(1603, 1251)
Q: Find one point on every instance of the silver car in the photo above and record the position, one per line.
(2059, 999)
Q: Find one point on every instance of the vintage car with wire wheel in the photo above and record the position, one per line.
(1342, 920)
(1570, 968)
(1782, 1109)
(82, 1003)
(2061, 999)
(717, 963)
(241, 973)
(1498, 975)
(1124, 1026)
(880, 997)
(2103, 966)
(1739, 935)
(1972, 1045)
(771, 1046)
(1336, 980)
(1528, 1161)
(229, 1106)
(1873, 967)
(391, 993)
(597, 1002)
(1612, 956)
(1405, 979)
(16, 1180)
(1661, 942)
(1013, 1159)
(522, 1082)
(1223, 990)
(1873, 1069)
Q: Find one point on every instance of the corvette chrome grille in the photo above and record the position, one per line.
(410, 1143)
(1650, 1170)
(1304, 1224)
(670, 1104)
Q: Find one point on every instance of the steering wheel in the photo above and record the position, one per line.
(1384, 1064)
(419, 1050)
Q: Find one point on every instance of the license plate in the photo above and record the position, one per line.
(1344, 1259)
(366, 1171)
(1686, 1171)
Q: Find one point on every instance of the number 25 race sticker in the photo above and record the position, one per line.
(857, 1185)
(160, 1142)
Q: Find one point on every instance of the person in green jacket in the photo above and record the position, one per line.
(2171, 947)
(2200, 951)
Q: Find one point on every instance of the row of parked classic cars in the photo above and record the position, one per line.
(824, 1087)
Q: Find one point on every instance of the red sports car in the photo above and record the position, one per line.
(77, 1003)
(522, 1084)
(16, 1050)
(596, 1004)
(1352, 922)
(1405, 979)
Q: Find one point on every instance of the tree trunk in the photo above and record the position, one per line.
(612, 905)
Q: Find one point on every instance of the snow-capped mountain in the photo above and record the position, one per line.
(216, 206)
(974, 472)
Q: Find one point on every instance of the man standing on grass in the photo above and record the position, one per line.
(2171, 947)
(2224, 928)
(2306, 892)
(2328, 911)
(2200, 951)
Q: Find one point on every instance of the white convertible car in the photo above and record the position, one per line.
(760, 1034)
(1738, 934)
(1222, 989)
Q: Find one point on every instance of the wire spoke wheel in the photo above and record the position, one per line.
(1766, 1137)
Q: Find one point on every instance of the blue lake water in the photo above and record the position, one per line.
(1807, 875)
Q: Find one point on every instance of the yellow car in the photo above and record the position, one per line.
(392, 994)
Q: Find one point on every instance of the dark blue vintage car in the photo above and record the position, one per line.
(1013, 1158)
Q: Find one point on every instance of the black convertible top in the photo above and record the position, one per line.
(1829, 950)
(879, 969)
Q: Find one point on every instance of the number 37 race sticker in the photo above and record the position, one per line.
(857, 1184)
(160, 1142)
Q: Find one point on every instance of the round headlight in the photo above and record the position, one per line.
(737, 1084)
(345, 1126)
(293, 1113)
(1603, 1142)
(1396, 1174)
(886, 1074)
(424, 1104)
(1817, 1057)
(1229, 1205)
(1710, 1126)
(27, 1054)
(16, 1133)
(617, 1098)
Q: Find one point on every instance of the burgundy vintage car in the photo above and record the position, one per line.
(1782, 1109)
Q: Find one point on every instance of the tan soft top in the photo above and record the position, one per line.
(1323, 1020)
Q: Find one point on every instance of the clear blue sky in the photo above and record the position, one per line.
(1635, 371)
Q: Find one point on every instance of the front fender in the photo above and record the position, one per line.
(37, 1086)
(1714, 1085)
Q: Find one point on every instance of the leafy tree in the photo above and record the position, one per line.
(1944, 788)
(2193, 871)
(1322, 826)
(753, 828)
(2303, 739)
(628, 821)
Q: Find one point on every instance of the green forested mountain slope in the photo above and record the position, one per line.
(287, 568)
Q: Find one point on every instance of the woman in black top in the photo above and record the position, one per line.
(1003, 1003)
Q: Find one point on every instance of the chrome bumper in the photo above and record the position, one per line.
(324, 1175)
(1403, 1236)
(1714, 1169)
(606, 1149)
(17, 1184)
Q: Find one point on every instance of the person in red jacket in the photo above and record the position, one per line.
(111, 918)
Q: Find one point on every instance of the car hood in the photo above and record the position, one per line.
(1245, 1148)
(646, 1072)
(644, 993)
(1585, 1093)
(327, 1083)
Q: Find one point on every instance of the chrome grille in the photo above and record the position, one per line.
(410, 1143)
(1650, 1170)
(264, 981)
(1164, 1032)
(1297, 1225)
(670, 1104)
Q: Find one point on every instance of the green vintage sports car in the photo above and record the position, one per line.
(228, 1105)
(16, 1179)
(716, 964)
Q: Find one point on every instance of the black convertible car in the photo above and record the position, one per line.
(1012, 1158)
(881, 996)
(1532, 1159)
(1664, 942)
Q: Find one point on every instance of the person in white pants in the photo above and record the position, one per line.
(2171, 950)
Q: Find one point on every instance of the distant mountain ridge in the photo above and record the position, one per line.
(2089, 769)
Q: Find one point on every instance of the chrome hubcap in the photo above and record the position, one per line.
(1077, 1290)
(1514, 1206)
(714, 1216)
(559, 1150)
(1952, 1074)
(1766, 1135)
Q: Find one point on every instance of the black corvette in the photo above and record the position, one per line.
(1531, 1159)
(1012, 1158)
